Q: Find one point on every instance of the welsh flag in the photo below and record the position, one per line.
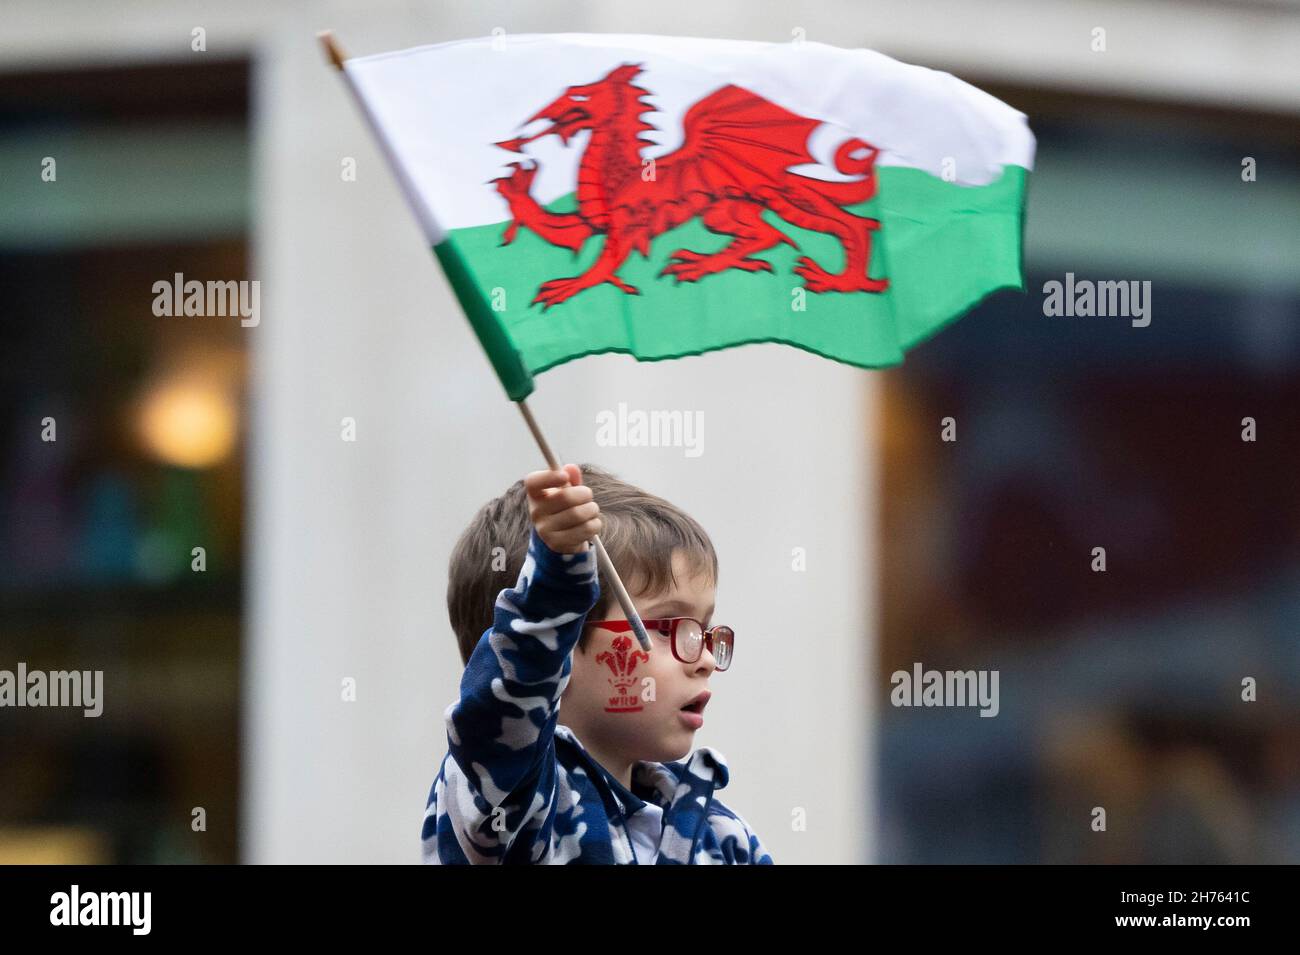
(664, 196)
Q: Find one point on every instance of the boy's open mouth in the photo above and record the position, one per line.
(697, 705)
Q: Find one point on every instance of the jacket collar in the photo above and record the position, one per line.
(682, 789)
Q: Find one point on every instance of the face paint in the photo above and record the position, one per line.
(622, 660)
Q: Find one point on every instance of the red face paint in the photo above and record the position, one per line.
(622, 666)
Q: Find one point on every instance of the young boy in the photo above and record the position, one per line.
(604, 785)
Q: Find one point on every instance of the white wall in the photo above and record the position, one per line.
(349, 542)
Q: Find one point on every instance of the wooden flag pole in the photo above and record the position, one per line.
(607, 565)
(332, 50)
(335, 55)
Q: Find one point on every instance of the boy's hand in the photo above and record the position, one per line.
(562, 509)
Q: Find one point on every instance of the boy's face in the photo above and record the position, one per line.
(622, 705)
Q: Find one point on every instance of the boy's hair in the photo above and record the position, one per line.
(640, 532)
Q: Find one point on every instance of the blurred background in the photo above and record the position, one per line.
(209, 140)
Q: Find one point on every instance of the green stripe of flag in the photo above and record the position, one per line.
(943, 246)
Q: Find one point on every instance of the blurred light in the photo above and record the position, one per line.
(189, 424)
(53, 845)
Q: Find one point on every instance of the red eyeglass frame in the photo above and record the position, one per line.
(670, 624)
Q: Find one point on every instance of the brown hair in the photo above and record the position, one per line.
(640, 533)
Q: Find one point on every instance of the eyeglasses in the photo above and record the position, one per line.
(687, 637)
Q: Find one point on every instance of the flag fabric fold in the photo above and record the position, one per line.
(665, 197)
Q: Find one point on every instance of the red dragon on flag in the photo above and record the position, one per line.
(734, 163)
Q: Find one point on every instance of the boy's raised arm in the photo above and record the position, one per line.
(496, 791)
